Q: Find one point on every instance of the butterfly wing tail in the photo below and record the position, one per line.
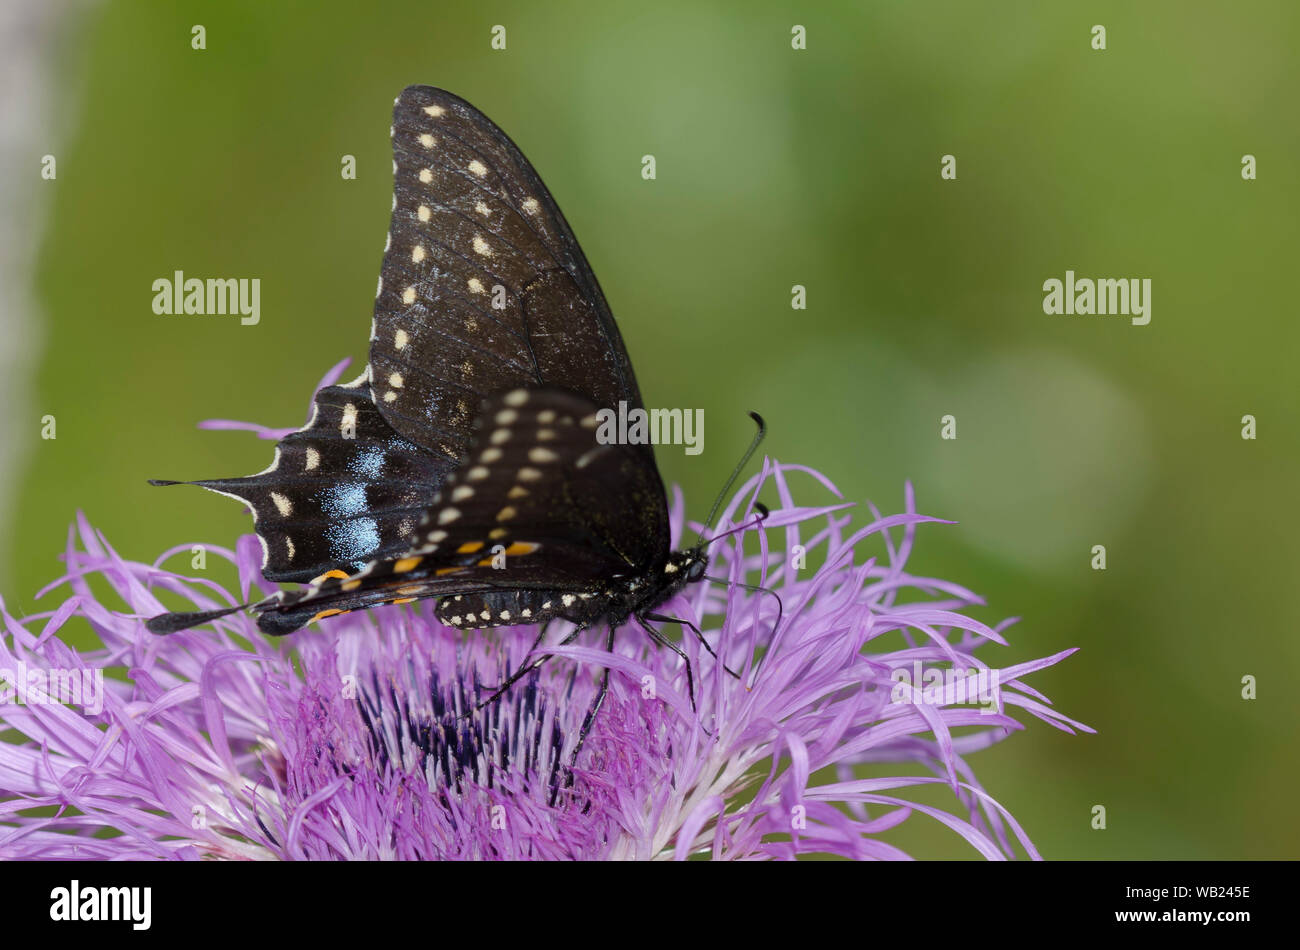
(165, 624)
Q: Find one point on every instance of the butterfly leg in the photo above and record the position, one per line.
(596, 703)
(524, 669)
(663, 641)
(662, 618)
(587, 720)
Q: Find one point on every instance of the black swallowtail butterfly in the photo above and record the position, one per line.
(471, 435)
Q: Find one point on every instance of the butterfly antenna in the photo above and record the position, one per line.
(744, 526)
(740, 467)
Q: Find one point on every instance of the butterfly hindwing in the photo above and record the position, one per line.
(483, 286)
(541, 509)
(343, 490)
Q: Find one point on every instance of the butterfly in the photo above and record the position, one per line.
(464, 463)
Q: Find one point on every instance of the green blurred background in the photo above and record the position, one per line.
(775, 167)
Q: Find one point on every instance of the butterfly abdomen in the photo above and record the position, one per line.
(511, 608)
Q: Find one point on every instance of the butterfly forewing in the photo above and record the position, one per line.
(483, 286)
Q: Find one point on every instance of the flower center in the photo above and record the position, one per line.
(441, 732)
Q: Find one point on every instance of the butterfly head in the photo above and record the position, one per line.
(687, 566)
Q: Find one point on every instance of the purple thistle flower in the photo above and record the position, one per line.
(363, 740)
(360, 739)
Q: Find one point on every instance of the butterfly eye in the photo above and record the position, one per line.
(695, 572)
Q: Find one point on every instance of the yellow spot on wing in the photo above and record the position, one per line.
(406, 564)
(341, 575)
(325, 613)
(447, 570)
(520, 548)
(470, 547)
